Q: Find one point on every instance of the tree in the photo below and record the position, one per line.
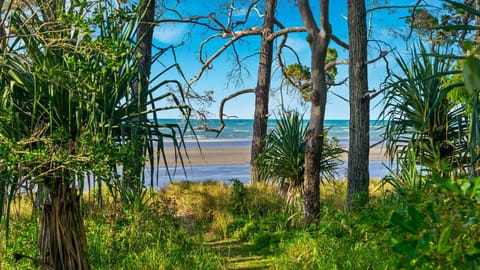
(66, 111)
(299, 77)
(144, 38)
(229, 32)
(422, 120)
(262, 91)
(359, 139)
(318, 39)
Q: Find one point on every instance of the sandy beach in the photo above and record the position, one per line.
(228, 156)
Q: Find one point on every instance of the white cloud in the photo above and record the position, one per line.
(170, 33)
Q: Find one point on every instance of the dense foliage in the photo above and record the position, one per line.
(67, 111)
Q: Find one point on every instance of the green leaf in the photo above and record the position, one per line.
(433, 213)
(464, 7)
(403, 223)
(442, 246)
(471, 75)
(417, 218)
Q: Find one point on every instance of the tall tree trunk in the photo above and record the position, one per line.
(263, 89)
(477, 22)
(318, 40)
(359, 139)
(3, 34)
(62, 240)
(144, 35)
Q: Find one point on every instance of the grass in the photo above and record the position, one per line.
(212, 225)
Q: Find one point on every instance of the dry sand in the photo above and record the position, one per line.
(227, 156)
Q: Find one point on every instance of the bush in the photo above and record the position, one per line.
(442, 230)
(238, 199)
(282, 160)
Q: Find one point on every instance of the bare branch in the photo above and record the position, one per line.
(247, 14)
(398, 6)
(221, 110)
(196, 20)
(412, 15)
(235, 36)
(280, 61)
(331, 64)
(204, 43)
(340, 42)
(284, 31)
(380, 56)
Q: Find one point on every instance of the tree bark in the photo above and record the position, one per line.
(262, 89)
(359, 139)
(477, 22)
(62, 240)
(3, 34)
(144, 36)
(318, 38)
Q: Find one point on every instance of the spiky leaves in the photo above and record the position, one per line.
(283, 158)
(67, 109)
(421, 118)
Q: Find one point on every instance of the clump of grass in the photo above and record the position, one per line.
(201, 206)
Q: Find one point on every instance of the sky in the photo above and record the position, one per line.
(385, 27)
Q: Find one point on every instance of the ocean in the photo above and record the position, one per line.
(238, 133)
(241, 130)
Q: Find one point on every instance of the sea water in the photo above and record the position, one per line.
(237, 133)
(236, 130)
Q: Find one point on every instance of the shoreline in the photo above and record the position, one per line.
(213, 156)
(225, 160)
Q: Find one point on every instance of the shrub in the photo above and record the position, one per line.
(282, 160)
(442, 230)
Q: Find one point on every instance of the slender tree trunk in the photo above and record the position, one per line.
(262, 90)
(359, 139)
(144, 35)
(62, 240)
(477, 22)
(3, 34)
(318, 40)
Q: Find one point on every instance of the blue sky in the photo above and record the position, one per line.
(216, 79)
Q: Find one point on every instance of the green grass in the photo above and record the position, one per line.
(211, 225)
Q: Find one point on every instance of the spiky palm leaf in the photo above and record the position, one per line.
(420, 115)
(282, 160)
(66, 108)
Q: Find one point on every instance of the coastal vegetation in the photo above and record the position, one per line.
(78, 103)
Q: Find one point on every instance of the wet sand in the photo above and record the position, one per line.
(229, 156)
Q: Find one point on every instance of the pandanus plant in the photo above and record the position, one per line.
(67, 109)
(282, 160)
(435, 113)
(421, 118)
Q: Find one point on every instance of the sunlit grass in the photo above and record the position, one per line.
(193, 226)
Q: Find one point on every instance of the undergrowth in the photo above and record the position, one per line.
(212, 225)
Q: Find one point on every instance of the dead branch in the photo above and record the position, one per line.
(284, 31)
(398, 6)
(280, 61)
(339, 42)
(221, 111)
(412, 16)
(380, 56)
(251, 7)
(234, 37)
